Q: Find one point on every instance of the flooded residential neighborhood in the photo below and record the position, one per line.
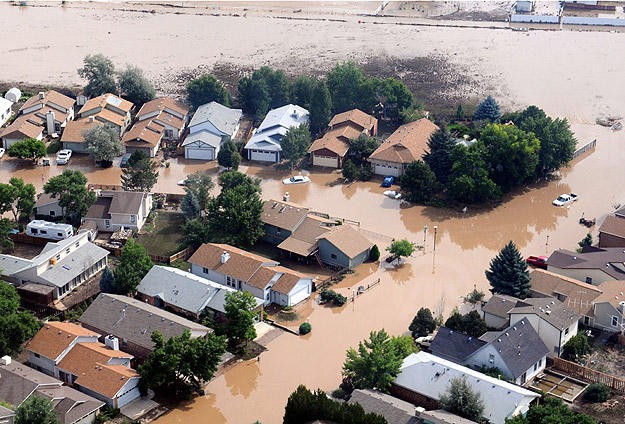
(449, 58)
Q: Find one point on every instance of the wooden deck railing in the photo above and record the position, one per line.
(588, 374)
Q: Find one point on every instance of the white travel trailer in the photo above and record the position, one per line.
(49, 230)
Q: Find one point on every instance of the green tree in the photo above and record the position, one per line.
(15, 329)
(460, 112)
(469, 182)
(349, 171)
(225, 155)
(302, 91)
(320, 107)
(401, 248)
(395, 96)
(233, 179)
(470, 324)
(24, 201)
(419, 182)
(99, 72)
(597, 392)
(577, 347)
(71, 189)
(487, 110)
(30, 148)
(362, 147)
(180, 365)
(9, 299)
(461, 399)
(239, 326)
(305, 328)
(8, 194)
(295, 144)
(134, 263)
(551, 410)
(103, 143)
(6, 243)
(107, 281)
(197, 194)
(586, 241)
(508, 273)
(235, 160)
(423, 323)
(254, 97)
(349, 88)
(205, 89)
(135, 86)
(277, 84)
(411, 114)
(439, 155)
(140, 175)
(196, 232)
(374, 254)
(36, 410)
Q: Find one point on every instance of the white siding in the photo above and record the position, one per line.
(387, 169)
(199, 153)
(329, 162)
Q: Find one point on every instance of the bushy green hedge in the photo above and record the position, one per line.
(597, 392)
(305, 328)
(335, 298)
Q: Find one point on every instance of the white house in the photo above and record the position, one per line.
(48, 206)
(5, 110)
(115, 209)
(264, 145)
(241, 270)
(212, 123)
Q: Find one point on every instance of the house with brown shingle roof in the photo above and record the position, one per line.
(612, 230)
(407, 144)
(22, 128)
(330, 150)
(245, 271)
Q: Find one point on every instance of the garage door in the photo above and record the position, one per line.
(263, 156)
(300, 295)
(386, 170)
(326, 161)
(197, 153)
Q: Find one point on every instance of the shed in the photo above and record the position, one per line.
(13, 95)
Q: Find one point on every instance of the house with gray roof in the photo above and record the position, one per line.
(183, 292)
(454, 345)
(264, 145)
(19, 382)
(593, 265)
(133, 321)
(210, 126)
(495, 311)
(116, 209)
(61, 266)
(394, 410)
(6, 415)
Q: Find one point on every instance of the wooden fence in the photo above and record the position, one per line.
(182, 255)
(587, 374)
(586, 147)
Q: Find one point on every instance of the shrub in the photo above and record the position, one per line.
(339, 394)
(576, 347)
(335, 298)
(597, 392)
(374, 254)
(304, 328)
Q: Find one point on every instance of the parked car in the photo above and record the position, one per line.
(1, 152)
(124, 162)
(297, 179)
(62, 157)
(392, 194)
(424, 341)
(537, 261)
(565, 199)
(182, 182)
(388, 181)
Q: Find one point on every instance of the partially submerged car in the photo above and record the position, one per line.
(565, 199)
(63, 156)
(297, 179)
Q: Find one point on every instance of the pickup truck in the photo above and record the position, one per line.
(565, 199)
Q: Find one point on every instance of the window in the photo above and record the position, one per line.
(77, 244)
(333, 256)
(66, 250)
(36, 355)
(107, 222)
(44, 232)
(52, 213)
(540, 362)
(133, 218)
(491, 358)
(34, 230)
(586, 320)
(589, 280)
(535, 366)
(205, 270)
(566, 331)
(614, 321)
(58, 257)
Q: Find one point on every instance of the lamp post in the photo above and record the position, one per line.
(435, 231)
(547, 245)
(425, 233)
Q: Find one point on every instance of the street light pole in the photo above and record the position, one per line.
(435, 231)
(425, 232)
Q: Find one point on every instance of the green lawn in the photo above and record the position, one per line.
(166, 238)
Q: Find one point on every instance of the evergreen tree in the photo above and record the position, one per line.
(586, 241)
(224, 157)
(419, 182)
(205, 89)
(439, 155)
(302, 91)
(320, 108)
(107, 281)
(141, 174)
(374, 254)
(254, 97)
(459, 112)
(423, 323)
(135, 86)
(508, 273)
(487, 110)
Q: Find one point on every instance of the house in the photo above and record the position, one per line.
(599, 306)
(14, 94)
(20, 382)
(60, 267)
(554, 322)
(115, 209)
(21, 128)
(5, 110)
(594, 265)
(52, 109)
(6, 415)
(524, 6)
(612, 230)
(166, 112)
(264, 145)
(424, 377)
(454, 346)
(107, 109)
(330, 150)
(495, 311)
(210, 126)
(241, 270)
(184, 293)
(47, 206)
(407, 144)
(132, 322)
(299, 231)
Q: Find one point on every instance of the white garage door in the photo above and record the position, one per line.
(263, 156)
(300, 295)
(326, 161)
(386, 170)
(197, 153)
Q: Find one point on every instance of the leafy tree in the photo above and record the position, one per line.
(36, 410)
(418, 182)
(576, 347)
(254, 97)
(103, 143)
(24, 201)
(205, 89)
(469, 181)
(140, 175)
(410, 114)
(439, 155)
(135, 86)
(376, 363)
(99, 72)
(487, 110)
(512, 154)
(395, 96)
(597, 392)
(329, 295)
(508, 273)
(349, 171)
(461, 399)
(196, 231)
(295, 144)
(6, 243)
(551, 410)
(7, 197)
(134, 263)
(475, 296)
(455, 321)
(347, 85)
(15, 329)
(71, 189)
(277, 85)
(586, 241)
(30, 148)
(197, 188)
(362, 147)
(460, 112)
(235, 160)
(423, 323)
(136, 157)
(233, 179)
(302, 91)
(374, 253)
(470, 324)
(180, 365)
(239, 326)
(107, 281)
(9, 299)
(226, 154)
(320, 107)
(401, 248)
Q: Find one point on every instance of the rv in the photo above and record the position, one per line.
(49, 230)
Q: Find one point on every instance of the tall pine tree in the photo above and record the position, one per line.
(508, 273)
(439, 154)
(487, 110)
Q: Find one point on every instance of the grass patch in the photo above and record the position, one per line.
(166, 237)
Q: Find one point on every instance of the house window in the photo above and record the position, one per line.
(58, 257)
(77, 244)
(52, 213)
(205, 270)
(589, 280)
(124, 342)
(133, 218)
(614, 321)
(491, 358)
(535, 366)
(44, 232)
(37, 355)
(107, 222)
(33, 230)
(566, 331)
(586, 320)
(540, 362)
(169, 133)
(66, 250)
(333, 256)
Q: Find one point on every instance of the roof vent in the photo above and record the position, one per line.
(282, 209)
(548, 312)
(507, 334)
(5, 360)
(499, 340)
(514, 328)
(91, 119)
(274, 205)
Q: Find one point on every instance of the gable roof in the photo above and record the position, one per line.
(519, 347)
(499, 305)
(50, 96)
(613, 225)
(45, 199)
(116, 202)
(142, 132)
(162, 104)
(74, 130)
(453, 345)
(336, 139)
(430, 376)
(612, 291)
(356, 116)
(283, 215)
(241, 264)
(134, 320)
(223, 118)
(70, 405)
(407, 144)
(394, 410)
(104, 99)
(305, 239)
(287, 279)
(347, 240)
(609, 260)
(203, 136)
(54, 337)
(73, 264)
(576, 295)
(275, 125)
(548, 309)
(24, 126)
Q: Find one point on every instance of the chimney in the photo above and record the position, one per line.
(5, 360)
(286, 197)
(92, 119)
(418, 411)
(42, 95)
(50, 122)
(112, 342)
(224, 257)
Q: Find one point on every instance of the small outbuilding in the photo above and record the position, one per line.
(13, 95)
